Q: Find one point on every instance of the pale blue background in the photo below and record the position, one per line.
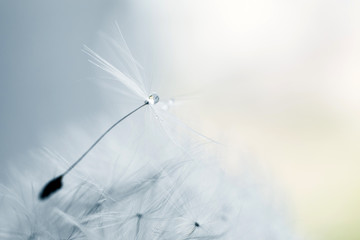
(44, 75)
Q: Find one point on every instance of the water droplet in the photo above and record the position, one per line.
(153, 99)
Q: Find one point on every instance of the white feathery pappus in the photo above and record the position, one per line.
(145, 180)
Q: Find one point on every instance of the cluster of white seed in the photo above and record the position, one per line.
(150, 178)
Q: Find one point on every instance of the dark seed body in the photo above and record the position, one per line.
(51, 187)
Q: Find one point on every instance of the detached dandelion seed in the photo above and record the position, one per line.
(56, 183)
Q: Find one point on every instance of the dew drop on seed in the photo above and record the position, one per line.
(153, 99)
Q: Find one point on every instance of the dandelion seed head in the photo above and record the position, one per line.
(153, 181)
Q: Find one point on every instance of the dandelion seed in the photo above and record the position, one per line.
(56, 183)
(139, 216)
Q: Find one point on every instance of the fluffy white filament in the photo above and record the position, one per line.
(150, 178)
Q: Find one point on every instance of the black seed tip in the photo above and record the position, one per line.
(197, 224)
(51, 187)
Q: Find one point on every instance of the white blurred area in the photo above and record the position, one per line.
(279, 80)
(282, 82)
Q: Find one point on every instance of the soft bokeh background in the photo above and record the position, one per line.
(278, 80)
